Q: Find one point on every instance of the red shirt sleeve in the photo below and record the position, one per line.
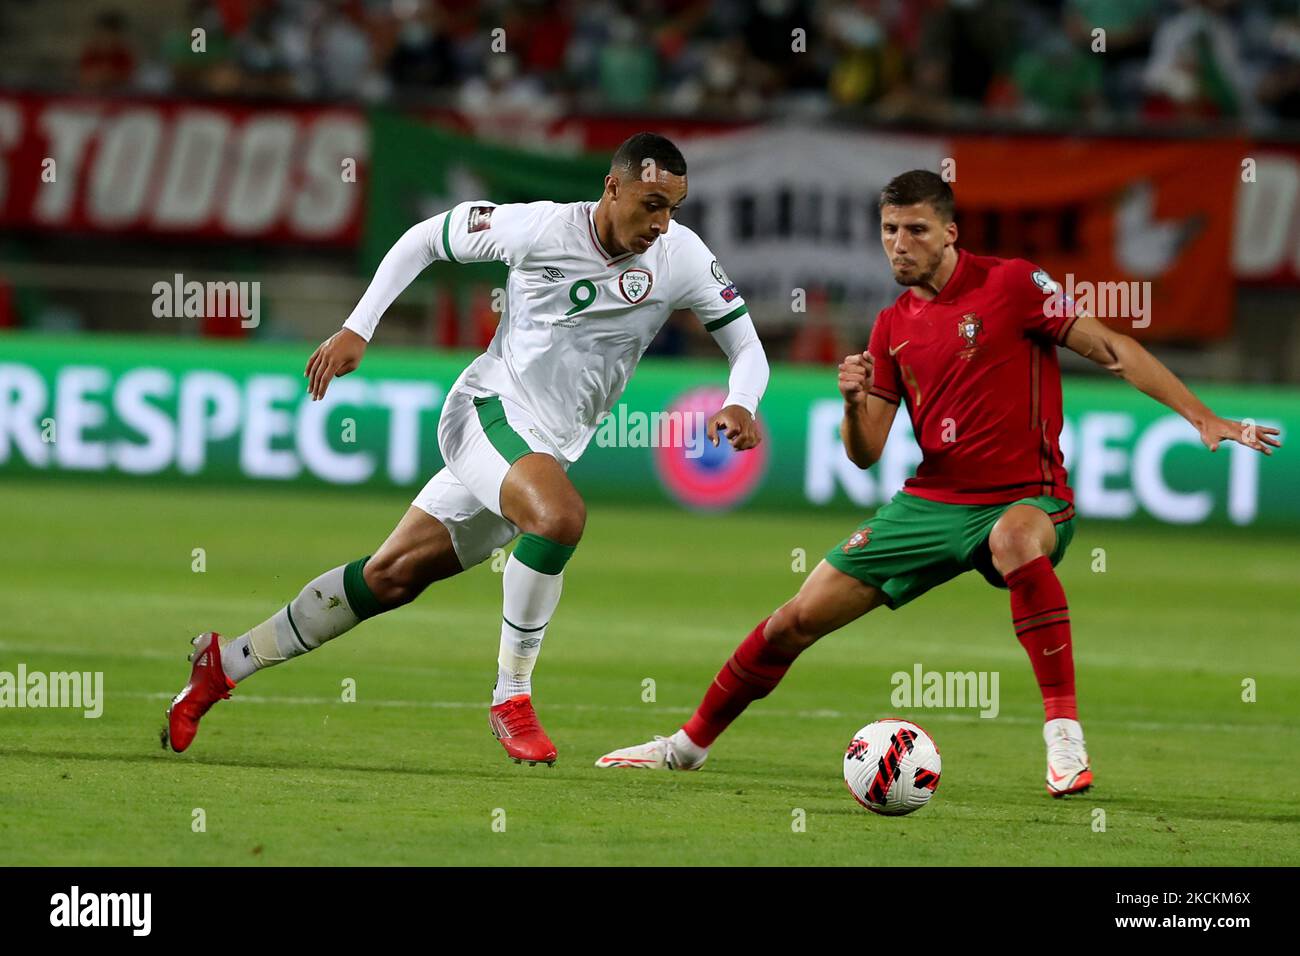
(885, 384)
(1048, 313)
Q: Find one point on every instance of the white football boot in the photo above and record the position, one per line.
(658, 754)
(1067, 757)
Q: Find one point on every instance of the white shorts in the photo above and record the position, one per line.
(480, 437)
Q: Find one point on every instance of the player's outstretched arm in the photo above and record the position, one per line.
(745, 385)
(867, 417)
(475, 231)
(342, 352)
(1125, 357)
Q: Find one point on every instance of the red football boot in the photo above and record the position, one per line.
(208, 684)
(514, 723)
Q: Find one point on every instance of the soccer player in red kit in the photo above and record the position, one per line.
(970, 347)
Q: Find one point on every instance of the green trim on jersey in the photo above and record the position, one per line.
(492, 416)
(726, 319)
(446, 238)
(912, 544)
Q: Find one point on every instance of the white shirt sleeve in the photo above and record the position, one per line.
(475, 231)
(701, 284)
(748, 361)
(479, 231)
(708, 291)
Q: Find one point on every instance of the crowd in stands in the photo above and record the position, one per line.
(1023, 61)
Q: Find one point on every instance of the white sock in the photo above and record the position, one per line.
(318, 614)
(686, 749)
(237, 658)
(529, 600)
(1058, 725)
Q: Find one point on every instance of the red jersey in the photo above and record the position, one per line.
(977, 368)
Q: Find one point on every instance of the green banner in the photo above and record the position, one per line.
(419, 170)
(230, 413)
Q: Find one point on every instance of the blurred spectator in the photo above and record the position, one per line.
(1279, 54)
(722, 87)
(504, 104)
(1196, 70)
(966, 46)
(264, 52)
(107, 64)
(866, 64)
(776, 36)
(422, 57)
(1058, 79)
(626, 66)
(341, 58)
(1126, 29)
(199, 53)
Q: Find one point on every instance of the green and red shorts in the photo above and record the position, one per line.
(913, 544)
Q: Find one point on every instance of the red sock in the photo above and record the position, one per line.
(1042, 621)
(749, 674)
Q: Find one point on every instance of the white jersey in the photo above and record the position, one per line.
(576, 319)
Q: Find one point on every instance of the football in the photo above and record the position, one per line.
(892, 767)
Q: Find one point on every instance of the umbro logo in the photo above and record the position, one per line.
(552, 274)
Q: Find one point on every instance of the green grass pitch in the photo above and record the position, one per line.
(99, 578)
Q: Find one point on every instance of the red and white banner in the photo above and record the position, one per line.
(179, 168)
(297, 173)
(1151, 217)
(1266, 228)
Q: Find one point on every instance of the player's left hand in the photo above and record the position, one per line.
(1258, 437)
(737, 425)
(338, 355)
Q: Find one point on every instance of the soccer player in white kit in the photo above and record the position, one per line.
(589, 286)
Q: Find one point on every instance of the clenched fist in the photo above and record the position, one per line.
(736, 425)
(857, 373)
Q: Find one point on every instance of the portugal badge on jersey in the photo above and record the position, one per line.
(634, 284)
(969, 327)
(480, 218)
(859, 539)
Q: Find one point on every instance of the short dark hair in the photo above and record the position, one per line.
(630, 158)
(919, 185)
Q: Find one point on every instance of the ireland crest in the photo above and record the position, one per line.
(634, 284)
